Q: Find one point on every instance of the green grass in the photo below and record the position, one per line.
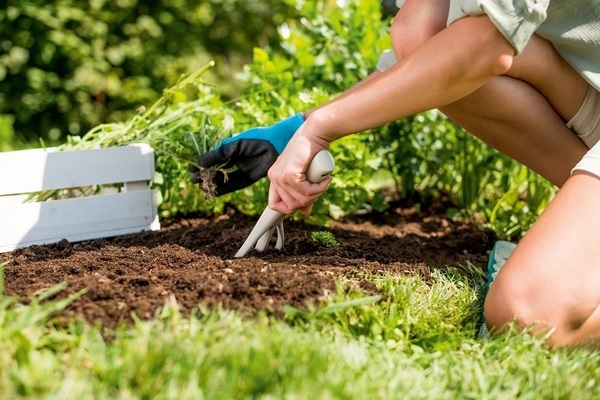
(415, 341)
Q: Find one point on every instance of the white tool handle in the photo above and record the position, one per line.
(320, 167)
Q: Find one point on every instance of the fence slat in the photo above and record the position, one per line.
(29, 171)
(77, 219)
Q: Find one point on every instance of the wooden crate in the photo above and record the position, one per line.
(131, 209)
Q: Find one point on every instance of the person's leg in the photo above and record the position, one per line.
(514, 118)
(552, 279)
(542, 67)
(518, 115)
(523, 115)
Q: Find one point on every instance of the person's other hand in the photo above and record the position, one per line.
(251, 153)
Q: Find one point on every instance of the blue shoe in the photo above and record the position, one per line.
(498, 256)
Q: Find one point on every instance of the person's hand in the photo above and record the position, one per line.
(252, 152)
(290, 190)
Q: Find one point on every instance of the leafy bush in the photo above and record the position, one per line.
(69, 65)
(275, 89)
(326, 50)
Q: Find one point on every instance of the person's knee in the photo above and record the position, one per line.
(504, 306)
(516, 302)
(416, 22)
(404, 39)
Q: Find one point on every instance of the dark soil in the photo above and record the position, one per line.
(193, 260)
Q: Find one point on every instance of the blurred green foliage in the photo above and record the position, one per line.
(69, 65)
(7, 133)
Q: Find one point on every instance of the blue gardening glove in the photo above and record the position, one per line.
(253, 152)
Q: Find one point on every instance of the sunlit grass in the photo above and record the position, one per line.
(415, 341)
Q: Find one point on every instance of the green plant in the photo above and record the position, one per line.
(325, 238)
(329, 48)
(525, 195)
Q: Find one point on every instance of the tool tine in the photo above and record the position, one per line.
(249, 243)
(267, 222)
(264, 240)
(280, 236)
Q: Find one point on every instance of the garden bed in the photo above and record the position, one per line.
(192, 260)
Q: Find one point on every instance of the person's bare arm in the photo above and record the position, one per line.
(451, 65)
(448, 67)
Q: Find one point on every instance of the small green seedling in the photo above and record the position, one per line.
(325, 238)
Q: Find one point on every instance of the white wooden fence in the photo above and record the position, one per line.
(132, 209)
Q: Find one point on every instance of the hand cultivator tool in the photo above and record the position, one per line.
(270, 221)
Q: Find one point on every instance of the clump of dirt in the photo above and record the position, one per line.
(206, 179)
(192, 259)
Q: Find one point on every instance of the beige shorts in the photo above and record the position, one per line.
(586, 124)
